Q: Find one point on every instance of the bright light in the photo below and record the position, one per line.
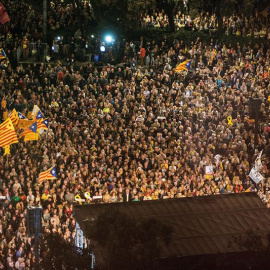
(102, 48)
(109, 39)
(92, 36)
(58, 38)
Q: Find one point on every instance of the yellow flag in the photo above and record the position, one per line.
(25, 123)
(7, 150)
(31, 136)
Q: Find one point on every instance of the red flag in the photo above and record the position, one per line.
(2, 9)
(4, 18)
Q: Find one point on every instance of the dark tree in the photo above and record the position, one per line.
(128, 243)
(57, 254)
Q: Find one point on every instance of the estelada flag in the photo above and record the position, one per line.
(31, 129)
(183, 66)
(42, 124)
(8, 135)
(2, 54)
(14, 117)
(3, 103)
(33, 136)
(49, 174)
(21, 116)
(36, 113)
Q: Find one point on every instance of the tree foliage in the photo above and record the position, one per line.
(129, 243)
(118, 13)
(57, 254)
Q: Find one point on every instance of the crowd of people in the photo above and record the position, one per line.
(131, 132)
(23, 35)
(256, 26)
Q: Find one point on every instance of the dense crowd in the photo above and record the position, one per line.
(256, 26)
(132, 132)
(23, 35)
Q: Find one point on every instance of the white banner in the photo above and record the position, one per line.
(255, 175)
(79, 236)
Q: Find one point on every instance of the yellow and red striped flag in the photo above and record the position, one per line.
(42, 124)
(49, 174)
(183, 66)
(8, 135)
(214, 53)
(3, 103)
(14, 117)
(33, 136)
(30, 129)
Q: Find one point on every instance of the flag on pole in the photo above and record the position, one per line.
(33, 136)
(36, 113)
(3, 103)
(183, 66)
(8, 135)
(49, 174)
(32, 128)
(21, 116)
(42, 124)
(2, 54)
(14, 118)
(23, 121)
(214, 53)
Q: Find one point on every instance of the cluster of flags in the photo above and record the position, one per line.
(11, 128)
(16, 122)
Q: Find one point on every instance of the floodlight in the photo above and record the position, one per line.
(102, 48)
(109, 38)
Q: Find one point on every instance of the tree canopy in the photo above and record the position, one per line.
(129, 243)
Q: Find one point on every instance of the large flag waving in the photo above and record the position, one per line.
(32, 128)
(42, 124)
(36, 113)
(8, 135)
(183, 66)
(23, 122)
(49, 174)
(31, 133)
(14, 118)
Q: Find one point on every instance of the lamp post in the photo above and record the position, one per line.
(44, 41)
(34, 228)
(255, 113)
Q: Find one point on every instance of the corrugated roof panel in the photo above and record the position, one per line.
(202, 225)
